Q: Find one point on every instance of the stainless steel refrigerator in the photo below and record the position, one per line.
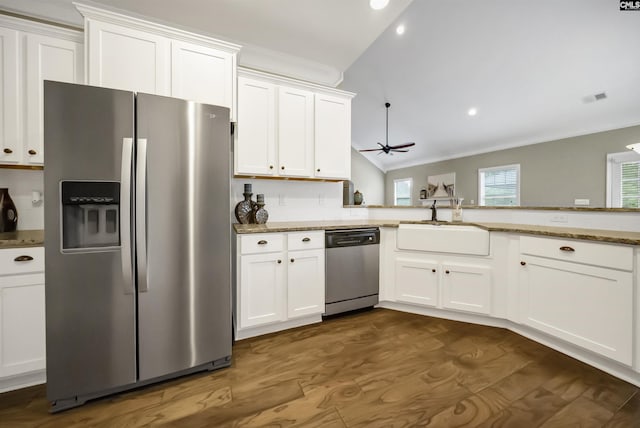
(137, 240)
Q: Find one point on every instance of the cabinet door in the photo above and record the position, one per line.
(332, 137)
(589, 306)
(262, 289)
(202, 74)
(416, 281)
(466, 287)
(48, 58)
(128, 59)
(255, 150)
(295, 132)
(10, 142)
(22, 324)
(305, 283)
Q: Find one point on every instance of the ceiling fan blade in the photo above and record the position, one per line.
(396, 150)
(370, 150)
(380, 144)
(402, 146)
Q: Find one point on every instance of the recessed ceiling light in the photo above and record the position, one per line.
(400, 29)
(472, 111)
(378, 4)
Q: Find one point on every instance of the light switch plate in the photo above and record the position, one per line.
(281, 199)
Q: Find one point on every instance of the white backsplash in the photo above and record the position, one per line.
(21, 185)
(308, 201)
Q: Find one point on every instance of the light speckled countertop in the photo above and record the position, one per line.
(614, 236)
(22, 238)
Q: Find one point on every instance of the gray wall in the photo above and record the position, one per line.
(552, 173)
(367, 178)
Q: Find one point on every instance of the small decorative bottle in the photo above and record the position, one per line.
(357, 197)
(8, 212)
(261, 215)
(245, 209)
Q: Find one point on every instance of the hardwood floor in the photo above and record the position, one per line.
(373, 369)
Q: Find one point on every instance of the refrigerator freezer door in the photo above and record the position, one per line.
(90, 316)
(184, 252)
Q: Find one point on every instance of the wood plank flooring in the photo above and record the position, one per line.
(379, 368)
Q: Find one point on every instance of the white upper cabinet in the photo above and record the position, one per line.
(137, 55)
(29, 54)
(202, 74)
(10, 144)
(295, 132)
(124, 58)
(332, 137)
(255, 151)
(289, 128)
(48, 58)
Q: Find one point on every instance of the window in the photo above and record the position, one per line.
(402, 191)
(623, 180)
(499, 186)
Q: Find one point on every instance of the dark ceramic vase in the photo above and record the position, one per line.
(245, 210)
(8, 212)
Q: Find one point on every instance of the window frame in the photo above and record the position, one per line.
(481, 171)
(614, 176)
(395, 191)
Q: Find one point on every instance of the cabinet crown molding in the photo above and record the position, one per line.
(43, 29)
(90, 12)
(295, 83)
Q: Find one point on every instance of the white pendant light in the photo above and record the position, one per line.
(635, 147)
(378, 4)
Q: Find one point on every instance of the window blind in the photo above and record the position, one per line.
(630, 184)
(499, 186)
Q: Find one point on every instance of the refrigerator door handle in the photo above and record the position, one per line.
(125, 215)
(141, 214)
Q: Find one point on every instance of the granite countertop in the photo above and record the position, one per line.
(22, 238)
(613, 236)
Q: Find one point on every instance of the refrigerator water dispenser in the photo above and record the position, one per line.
(90, 215)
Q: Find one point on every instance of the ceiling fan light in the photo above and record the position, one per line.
(635, 147)
(378, 4)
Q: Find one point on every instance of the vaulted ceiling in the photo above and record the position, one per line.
(531, 69)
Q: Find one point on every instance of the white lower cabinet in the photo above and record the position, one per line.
(431, 280)
(466, 287)
(22, 316)
(305, 283)
(417, 281)
(564, 295)
(280, 280)
(262, 289)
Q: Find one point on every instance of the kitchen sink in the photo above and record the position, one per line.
(444, 237)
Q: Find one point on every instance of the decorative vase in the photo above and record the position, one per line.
(245, 209)
(261, 215)
(357, 197)
(8, 212)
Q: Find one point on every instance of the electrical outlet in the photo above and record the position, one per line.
(581, 202)
(560, 218)
(281, 199)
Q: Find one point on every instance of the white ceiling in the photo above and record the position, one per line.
(526, 66)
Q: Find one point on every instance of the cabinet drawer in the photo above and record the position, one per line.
(21, 260)
(310, 240)
(591, 253)
(259, 243)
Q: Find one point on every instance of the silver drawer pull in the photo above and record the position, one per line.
(262, 242)
(23, 259)
(306, 239)
(568, 249)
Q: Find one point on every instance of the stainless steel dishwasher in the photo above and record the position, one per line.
(352, 260)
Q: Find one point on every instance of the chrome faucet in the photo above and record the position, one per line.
(434, 212)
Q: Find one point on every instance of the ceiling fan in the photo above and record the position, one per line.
(387, 148)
